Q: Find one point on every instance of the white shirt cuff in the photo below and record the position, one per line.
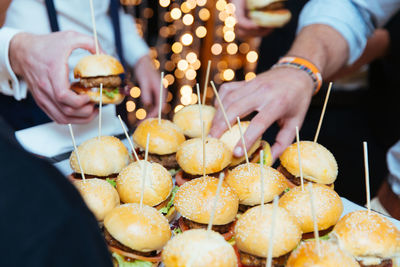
(9, 84)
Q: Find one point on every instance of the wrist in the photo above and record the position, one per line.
(16, 52)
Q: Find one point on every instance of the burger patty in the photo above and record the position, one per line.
(107, 81)
(272, 7)
(293, 179)
(168, 161)
(384, 263)
(222, 229)
(78, 176)
(321, 233)
(111, 241)
(251, 260)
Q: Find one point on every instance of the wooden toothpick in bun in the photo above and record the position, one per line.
(269, 13)
(188, 119)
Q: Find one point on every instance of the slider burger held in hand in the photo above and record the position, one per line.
(199, 248)
(195, 202)
(245, 180)
(165, 138)
(318, 163)
(190, 158)
(252, 233)
(268, 13)
(372, 239)
(136, 235)
(328, 208)
(93, 70)
(188, 119)
(158, 186)
(101, 158)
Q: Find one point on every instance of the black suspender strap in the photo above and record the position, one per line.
(114, 13)
(52, 14)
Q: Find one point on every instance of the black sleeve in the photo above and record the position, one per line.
(393, 27)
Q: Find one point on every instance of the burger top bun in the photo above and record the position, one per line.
(98, 65)
(319, 165)
(100, 157)
(190, 156)
(142, 229)
(245, 181)
(188, 119)
(328, 206)
(164, 137)
(199, 248)
(252, 231)
(367, 235)
(157, 186)
(331, 256)
(255, 4)
(232, 137)
(195, 201)
(99, 195)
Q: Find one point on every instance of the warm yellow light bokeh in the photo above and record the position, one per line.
(249, 76)
(186, 90)
(176, 13)
(204, 14)
(191, 57)
(141, 114)
(232, 49)
(164, 3)
(177, 47)
(183, 64)
(216, 49)
(190, 74)
(252, 56)
(135, 92)
(130, 106)
(229, 36)
(228, 75)
(187, 19)
(187, 39)
(201, 32)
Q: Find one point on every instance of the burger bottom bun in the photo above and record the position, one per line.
(95, 96)
(273, 19)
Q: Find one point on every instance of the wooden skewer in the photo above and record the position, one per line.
(129, 139)
(76, 152)
(316, 233)
(199, 102)
(161, 98)
(100, 108)
(220, 104)
(144, 171)
(206, 83)
(96, 43)
(271, 233)
(203, 137)
(221, 179)
(262, 178)
(366, 166)
(299, 156)
(323, 112)
(243, 143)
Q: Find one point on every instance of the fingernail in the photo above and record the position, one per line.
(238, 151)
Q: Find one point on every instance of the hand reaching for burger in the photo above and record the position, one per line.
(42, 61)
(282, 95)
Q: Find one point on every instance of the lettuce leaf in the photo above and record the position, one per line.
(324, 237)
(111, 94)
(165, 209)
(177, 231)
(111, 182)
(135, 263)
(174, 171)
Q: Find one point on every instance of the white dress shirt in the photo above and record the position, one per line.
(31, 16)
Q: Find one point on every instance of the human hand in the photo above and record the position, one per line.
(282, 95)
(245, 27)
(42, 61)
(149, 81)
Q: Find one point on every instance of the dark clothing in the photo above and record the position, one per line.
(43, 221)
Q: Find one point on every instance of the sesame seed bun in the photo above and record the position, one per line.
(164, 137)
(195, 201)
(98, 65)
(232, 137)
(139, 229)
(366, 235)
(318, 163)
(273, 19)
(199, 248)
(252, 231)
(254, 4)
(100, 157)
(328, 206)
(157, 187)
(246, 182)
(99, 195)
(188, 119)
(331, 256)
(190, 156)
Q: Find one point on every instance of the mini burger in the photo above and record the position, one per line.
(190, 158)
(268, 13)
(94, 70)
(252, 233)
(188, 119)
(318, 163)
(101, 158)
(372, 239)
(331, 256)
(195, 202)
(136, 235)
(158, 186)
(328, 208)
(232, 137)
(165, 138)
(246, 182)
(199, 248)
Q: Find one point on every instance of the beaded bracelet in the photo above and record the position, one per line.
(305, 65)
